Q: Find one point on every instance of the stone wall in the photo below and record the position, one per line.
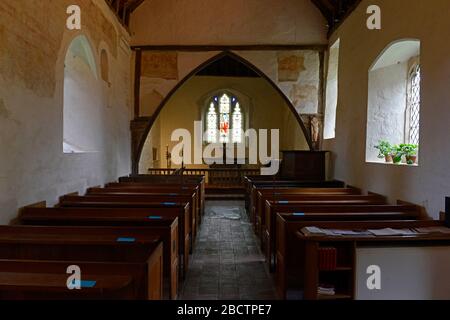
(232, 22)
(34, 41)
(428, 183)
(262, 105)
(296, 73)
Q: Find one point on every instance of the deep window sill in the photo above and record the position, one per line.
(392, 164)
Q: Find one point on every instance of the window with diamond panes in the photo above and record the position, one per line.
(414, 106)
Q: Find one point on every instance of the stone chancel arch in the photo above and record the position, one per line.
(282, 83)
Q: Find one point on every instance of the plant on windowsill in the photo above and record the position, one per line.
(385, 150)
(397, 154)
(410, 152)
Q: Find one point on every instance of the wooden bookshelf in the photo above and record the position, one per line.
(343, 276)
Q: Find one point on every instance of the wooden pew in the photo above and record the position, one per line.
(261, 195)
(155, 188)
(261, 182)
(156, 194)
(172, 179)
(291, 254)
(89, 244)
(292, 189)
(170, 199)
(165, 223)
(120, 202)
(294, 201)
(330, 212)
(175, 236)
(47, 280)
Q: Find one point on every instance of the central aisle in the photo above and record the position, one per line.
(227, 262)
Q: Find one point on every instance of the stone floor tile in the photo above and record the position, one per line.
(227, 262)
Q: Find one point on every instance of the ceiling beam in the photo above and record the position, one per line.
(335, 11)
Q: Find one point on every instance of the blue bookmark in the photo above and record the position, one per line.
(125, 239)
(85, 283)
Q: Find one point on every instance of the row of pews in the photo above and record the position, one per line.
(281, 210)
(128, 240)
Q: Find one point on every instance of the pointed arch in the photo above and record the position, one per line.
(224, 54)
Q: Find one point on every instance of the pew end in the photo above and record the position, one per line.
(16, 220)
(423, 214)
(356, 189)
(370, 193)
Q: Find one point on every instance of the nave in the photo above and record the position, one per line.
(131, 131)
(227, 263)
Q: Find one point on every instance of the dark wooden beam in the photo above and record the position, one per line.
(335, 11)
(135, 5)
(326, 12)
(137, 84)
(200, 48)
(351, 7)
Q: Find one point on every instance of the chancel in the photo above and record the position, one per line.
(224, 150)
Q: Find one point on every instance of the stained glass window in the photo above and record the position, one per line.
(237, 124)
(414, 106)
(224, 120)
(225, 105)
(212, 124)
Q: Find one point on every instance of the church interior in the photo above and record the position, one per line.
(224, 150)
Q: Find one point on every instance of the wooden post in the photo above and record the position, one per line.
(137, 83)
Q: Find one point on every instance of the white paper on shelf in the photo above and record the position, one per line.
(315, 231)
(444, 230)
(350, 232)
(392, 232)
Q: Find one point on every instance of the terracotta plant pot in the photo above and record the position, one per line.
(411, 159)
(388, 158)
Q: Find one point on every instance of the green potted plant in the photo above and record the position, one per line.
(384, 150)
(397, 154)
(410, 152)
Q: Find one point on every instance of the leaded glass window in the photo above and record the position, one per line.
(224, 120)
(414, 105)
(212, 124)
(237, 124)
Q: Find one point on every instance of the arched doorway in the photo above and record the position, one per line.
(227, 64)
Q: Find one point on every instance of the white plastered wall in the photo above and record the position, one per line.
(429, 183)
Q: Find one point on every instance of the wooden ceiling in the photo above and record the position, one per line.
(124, 8)
(334, 11)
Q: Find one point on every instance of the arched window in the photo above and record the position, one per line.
(393, 105)
(82, 118)
(413, 111)
(224, 120)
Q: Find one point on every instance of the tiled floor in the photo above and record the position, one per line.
(227, 262)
